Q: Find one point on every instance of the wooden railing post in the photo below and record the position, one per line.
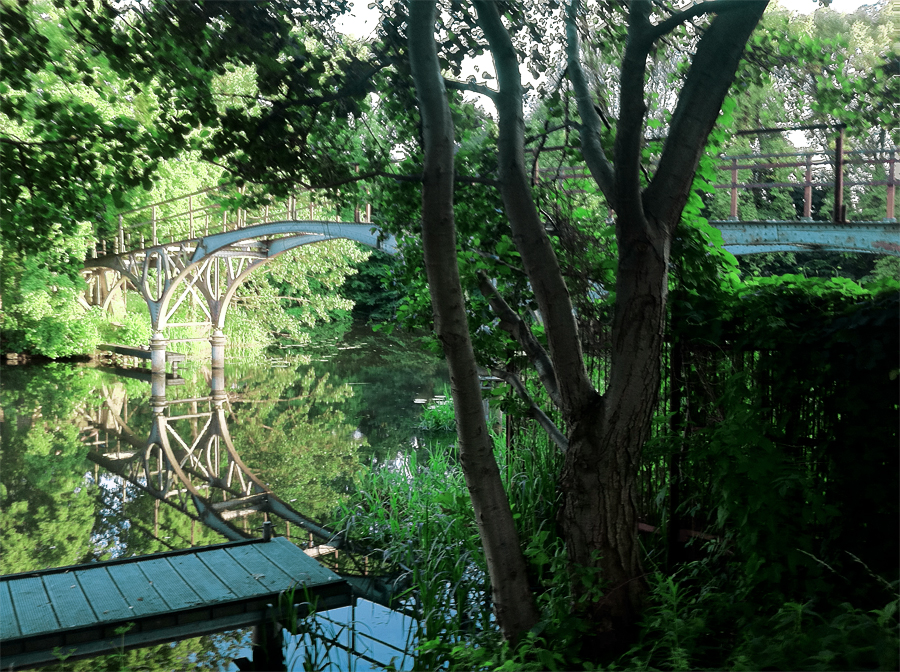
(807, 189)
(120, 234)
(241, 212)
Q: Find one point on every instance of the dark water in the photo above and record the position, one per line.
(83, 450)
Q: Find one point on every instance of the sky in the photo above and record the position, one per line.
(361, 21)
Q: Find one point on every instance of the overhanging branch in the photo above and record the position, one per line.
(710, 7)
(534, 411)
(516, 327)
(470, 86)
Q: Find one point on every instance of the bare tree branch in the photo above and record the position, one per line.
(710, 7)
(600, 167)
(470, 86)
(547, 131)
(516, 327)
(534, 411)
(497, 260)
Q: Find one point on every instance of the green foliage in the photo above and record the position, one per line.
(373, 289)
(798, 638)
(198, 653)
(438, 416)
(692, 625)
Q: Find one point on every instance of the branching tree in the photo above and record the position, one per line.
(604, 432)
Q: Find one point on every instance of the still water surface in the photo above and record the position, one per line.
(80, 477)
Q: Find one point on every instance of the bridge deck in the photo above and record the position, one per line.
(157, 598)
(140, 353)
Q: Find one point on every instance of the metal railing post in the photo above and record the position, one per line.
(891, 184)
(734, 193)
(190, 216)
(153, 225)
(840, 214)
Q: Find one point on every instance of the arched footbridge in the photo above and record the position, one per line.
(205, 254)
(742, 238)
(207, 250)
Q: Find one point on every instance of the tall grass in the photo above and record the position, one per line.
(416, 511)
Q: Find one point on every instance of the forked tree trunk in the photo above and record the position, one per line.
(606, 434)
(599, 480)
(513, 602)
(599, 513)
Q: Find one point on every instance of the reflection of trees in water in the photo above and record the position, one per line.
(295, 437)
(47, 507)
(198, 653)
(386, 371)
(300, 430)
(47, 510)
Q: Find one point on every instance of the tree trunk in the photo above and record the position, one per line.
(599, 509)
(599, 512)
(606, 434)
(513, 602)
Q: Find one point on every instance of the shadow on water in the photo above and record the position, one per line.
(99, 464)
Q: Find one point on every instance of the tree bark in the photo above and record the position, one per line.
(513, 601)
(599, 514)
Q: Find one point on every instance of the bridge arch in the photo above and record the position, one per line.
(195, 265)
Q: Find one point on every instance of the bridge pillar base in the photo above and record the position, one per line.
(158, 353)
(217, 343)
(217, 386)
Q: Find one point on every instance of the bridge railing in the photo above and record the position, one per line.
(214, 210)
(856, 170)
(850, 175)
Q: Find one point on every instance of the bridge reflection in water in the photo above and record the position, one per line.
(200, 474)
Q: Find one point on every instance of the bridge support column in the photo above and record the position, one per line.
(158, 391)
(217, 342)
(217, 386)
(158, 353)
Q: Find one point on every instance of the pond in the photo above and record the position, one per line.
(83, 473)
